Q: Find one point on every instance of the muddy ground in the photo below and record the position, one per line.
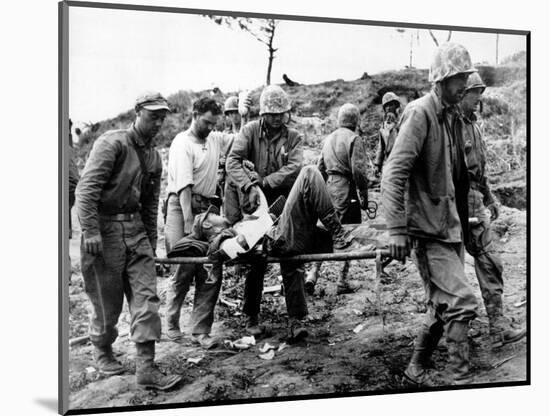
(334, 359)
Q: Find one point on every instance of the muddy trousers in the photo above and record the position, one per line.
(207, 289)
(296, 233)
(345, 200)
(207, 282)
(488, 265)
(125, 267)
(451, 301)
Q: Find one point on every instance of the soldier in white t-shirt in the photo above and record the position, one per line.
(192, 177)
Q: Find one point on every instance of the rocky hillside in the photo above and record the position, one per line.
(315, 107)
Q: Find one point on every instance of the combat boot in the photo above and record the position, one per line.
(297, 330)
(205, 341)
(459, 352)
(106, 361)
(311, 277)
(253, 326)
(147, 373)
(424, 346)
(342, 286)
(500, 332)
(340, 237)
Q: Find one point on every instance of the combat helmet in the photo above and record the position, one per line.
(274, 100)
(475, 81)
(348, 115)
(231, 104)
(388, 98)
(449, 60)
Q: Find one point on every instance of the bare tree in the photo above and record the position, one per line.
(262, 30)
(435, 39)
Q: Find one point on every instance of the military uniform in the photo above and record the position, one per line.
(278, 161)
(344, 164)
(110, 202)
(386, 139)
(479, 241)
(388, 131)
(296, 232)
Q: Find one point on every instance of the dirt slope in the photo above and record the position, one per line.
(335, 359)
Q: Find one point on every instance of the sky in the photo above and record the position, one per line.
(114, 55)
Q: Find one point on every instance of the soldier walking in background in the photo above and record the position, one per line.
(388, 130)
(117, 200)
(479, 242)
(344, 165)
(231, 111)
(427, 162)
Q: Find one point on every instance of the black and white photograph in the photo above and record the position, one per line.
(269, 207)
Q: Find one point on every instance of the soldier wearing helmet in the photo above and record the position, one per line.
(427, 163)
(479, 242)
(274, 151)
(231, 111)
(344, 165)
(388, 131)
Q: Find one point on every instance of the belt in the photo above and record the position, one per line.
(125, 216)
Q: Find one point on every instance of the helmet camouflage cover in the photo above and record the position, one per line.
(274, 100)
(449, 60)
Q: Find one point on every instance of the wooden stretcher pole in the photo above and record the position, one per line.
(378, 288)
(301, 258)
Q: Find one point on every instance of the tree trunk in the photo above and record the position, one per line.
(269, 66)
(271, 52)
(433, 37)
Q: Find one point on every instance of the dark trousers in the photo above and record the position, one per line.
(295, 233)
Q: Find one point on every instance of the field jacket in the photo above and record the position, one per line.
(476, 159)
(277, 160)
(427, 162)
(344, 154)
(111, 182)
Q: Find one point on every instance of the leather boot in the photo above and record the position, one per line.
(147, 373)
(106, 361)
(253, 326)
(500, 332)
(420, 362)
(459, 352)
(340, 237)
(296, 330)
(311, 277)
(342, 286)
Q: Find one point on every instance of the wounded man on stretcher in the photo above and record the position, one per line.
(295, 231)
